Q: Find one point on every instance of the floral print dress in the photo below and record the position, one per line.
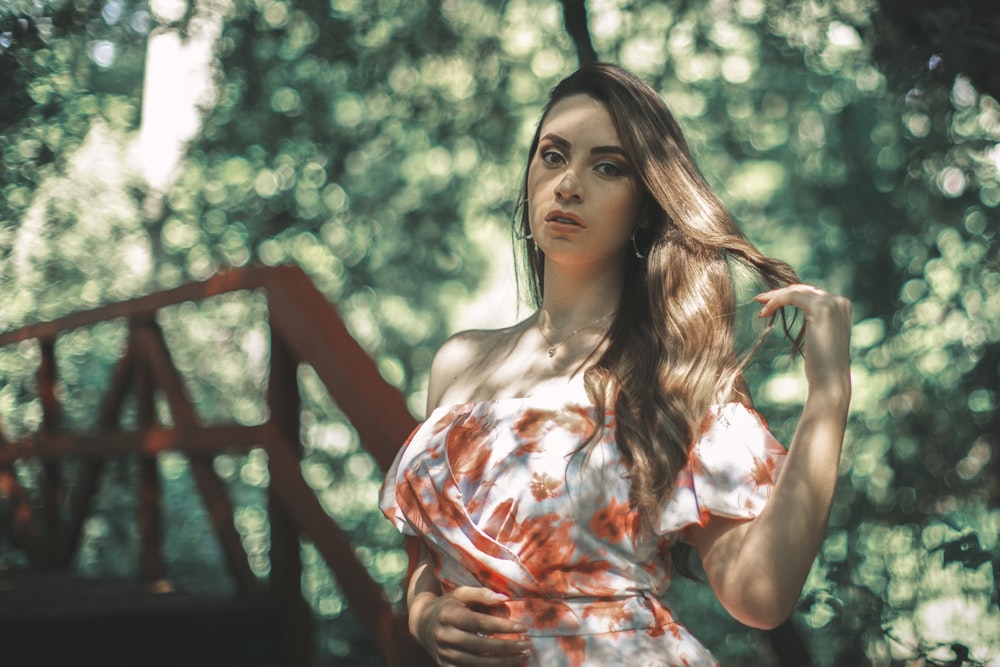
(504, 497)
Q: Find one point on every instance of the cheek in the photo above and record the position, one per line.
(534, 194)
(637, 203)
(535, 178)
(628, 208)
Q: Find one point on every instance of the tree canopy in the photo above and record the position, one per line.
(379, 146)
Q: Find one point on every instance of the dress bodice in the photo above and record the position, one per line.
(508, 494)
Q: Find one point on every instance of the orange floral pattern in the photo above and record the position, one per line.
(505, 497)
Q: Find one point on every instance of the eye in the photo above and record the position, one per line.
(551, 157)
(610, 169)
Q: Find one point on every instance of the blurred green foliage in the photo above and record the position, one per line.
(378, 145)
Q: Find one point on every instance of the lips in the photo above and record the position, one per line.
(565, 218)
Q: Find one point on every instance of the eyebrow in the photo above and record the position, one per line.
(596, 150)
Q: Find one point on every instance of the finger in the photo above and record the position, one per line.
(772, 305)
(462, 659)
(477, 595)
(475, 622)
(480, 650)
(501, 647)
(474, 599)
(473, 619)
(764, 296)
(482, 644)
(803, 297)
(771, 301)
(810, 300)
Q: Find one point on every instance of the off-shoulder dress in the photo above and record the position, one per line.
(505, 497)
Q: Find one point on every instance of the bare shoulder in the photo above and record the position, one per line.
(460, 360)
(451, 361)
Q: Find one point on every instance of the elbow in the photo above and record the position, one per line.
(767, 619)
(763, 609)
(760, 593)
(764, 619)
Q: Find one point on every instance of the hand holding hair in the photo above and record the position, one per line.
(828, 335)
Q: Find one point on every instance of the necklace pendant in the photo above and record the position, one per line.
(552, 351)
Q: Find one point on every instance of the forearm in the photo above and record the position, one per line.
(423, 587)
(764, 579)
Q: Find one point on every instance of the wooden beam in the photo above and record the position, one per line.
(47, 378)
(88, 480)
(90, 471)
(300, 502)
(306, 328)
(308, 323)
(233, 438)
(51, 485)
(118, 387)
(246, 278)
(220, 513)
(212, 489)
(164, 374)
(151, 565)
(286, 550)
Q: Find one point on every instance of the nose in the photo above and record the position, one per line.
(568, 187)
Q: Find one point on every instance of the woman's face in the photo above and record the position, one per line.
(583, 196)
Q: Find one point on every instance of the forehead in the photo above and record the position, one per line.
(581, 118)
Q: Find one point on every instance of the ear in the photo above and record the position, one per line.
(646, 212)
(644, 218)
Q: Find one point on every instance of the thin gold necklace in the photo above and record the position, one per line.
(555, 346)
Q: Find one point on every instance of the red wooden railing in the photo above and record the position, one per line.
(304, 328)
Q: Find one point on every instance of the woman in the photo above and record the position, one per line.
(564, 456)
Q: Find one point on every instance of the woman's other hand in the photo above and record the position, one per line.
(454, 629)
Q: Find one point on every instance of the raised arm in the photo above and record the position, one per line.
(757, 568)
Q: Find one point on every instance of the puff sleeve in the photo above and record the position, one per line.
(731, 471)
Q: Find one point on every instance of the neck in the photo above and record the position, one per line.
(573, 297)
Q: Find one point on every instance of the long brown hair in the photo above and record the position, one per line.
(671, 351)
